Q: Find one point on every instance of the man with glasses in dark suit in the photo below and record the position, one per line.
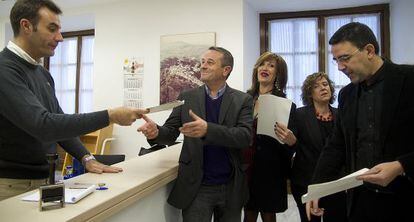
(372, 130)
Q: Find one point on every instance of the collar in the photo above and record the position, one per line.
(377, 77)
(219, 93)
(21, 53)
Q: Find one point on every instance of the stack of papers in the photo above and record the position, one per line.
(72, 194)
(316, 191)
(272, 109)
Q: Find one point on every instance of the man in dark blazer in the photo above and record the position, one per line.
(216, 121)
(373, 129)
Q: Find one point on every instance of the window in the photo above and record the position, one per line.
(297, 42)
(301, 38)
(72, 70)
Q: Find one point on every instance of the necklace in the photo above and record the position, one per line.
(265, 92)
(324, 117)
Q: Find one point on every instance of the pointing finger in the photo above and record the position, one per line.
(145, 117)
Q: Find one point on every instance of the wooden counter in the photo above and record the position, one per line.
(142, 176)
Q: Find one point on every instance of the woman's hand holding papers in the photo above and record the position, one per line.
(285, 134)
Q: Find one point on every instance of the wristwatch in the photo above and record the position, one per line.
(87, 158)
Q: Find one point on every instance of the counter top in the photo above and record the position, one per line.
(141, 176)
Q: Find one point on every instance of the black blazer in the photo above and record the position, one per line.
(395, 130)
(308, 146)
(233, 131)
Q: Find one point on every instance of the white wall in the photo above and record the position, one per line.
(133, 28)
(6, 32)
(76, 21)
(251, 42)
(2, 34)
(402, 32)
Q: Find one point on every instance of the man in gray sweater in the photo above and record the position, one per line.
(31, 120)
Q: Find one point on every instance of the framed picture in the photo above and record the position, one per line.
(180, 62)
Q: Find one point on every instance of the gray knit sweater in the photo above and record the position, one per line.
(32, 122)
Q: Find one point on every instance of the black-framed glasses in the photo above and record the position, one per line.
(344, 58)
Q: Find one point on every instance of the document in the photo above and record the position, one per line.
(72, 194)
(166, 106)
(272, 109)
(319, 190)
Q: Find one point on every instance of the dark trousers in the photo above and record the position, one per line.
(211, 201)
(371, 206)
(334, 205)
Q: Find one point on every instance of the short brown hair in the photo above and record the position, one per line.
(281, 74)
(29, 9)
(227, 59)
(308, 84)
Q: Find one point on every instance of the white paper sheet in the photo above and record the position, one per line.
(166, 106)
(272, 109)
(319, 190)
(71, 195)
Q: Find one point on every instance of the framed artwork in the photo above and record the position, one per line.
(180, 62)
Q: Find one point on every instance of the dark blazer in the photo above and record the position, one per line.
(395, 129)
(233, 131)
(309, 145)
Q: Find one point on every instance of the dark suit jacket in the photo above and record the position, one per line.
(233, 131)
(395, 129)
(309, 145)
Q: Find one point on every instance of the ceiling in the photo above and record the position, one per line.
(258, 5)
(6, 5)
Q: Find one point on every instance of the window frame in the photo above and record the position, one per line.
(321, 15)
(79, 35)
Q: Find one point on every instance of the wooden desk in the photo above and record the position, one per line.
(142, 177)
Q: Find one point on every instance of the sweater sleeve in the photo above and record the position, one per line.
(73, 146)
(22, 108)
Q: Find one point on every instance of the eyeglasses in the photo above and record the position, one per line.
(344, 58)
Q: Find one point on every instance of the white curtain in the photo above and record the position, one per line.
(86, 75)
(63, 69)
(296, 40)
